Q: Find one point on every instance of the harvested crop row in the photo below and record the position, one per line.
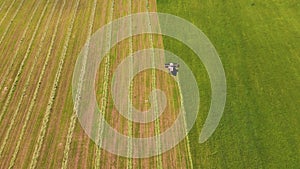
(78, 93)
(105, 88)
(33, 100)
(53, 93)
(12, 89)
(2, 5)
(130, 126)
(12, 123)
(153, 83)
(118, 53)
(10, 6)
(5, 76)
(11, 21)
(142, 86)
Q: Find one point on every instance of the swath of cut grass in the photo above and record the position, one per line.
(11, 21)
(104, 90)
(12, 89)
(53, 93)
(12, 122)
(5, 76)
(78, 92)
(153, 74)
(6, 13)
(33, 100)
(130, 125)
(2, 5)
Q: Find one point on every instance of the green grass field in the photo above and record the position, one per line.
(258, 43)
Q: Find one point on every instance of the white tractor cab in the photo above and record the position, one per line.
(173, 68)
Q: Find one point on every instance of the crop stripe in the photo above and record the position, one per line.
(10, 6)
(104, 90)
(33, 100)
(78, 92)
(153, 72)
(129, 150)
(53, 93)
(9, 69)
(12, 89)
(12, 122)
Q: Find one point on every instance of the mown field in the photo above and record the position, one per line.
(258, 43)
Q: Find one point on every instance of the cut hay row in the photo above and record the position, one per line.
(11, 20)
(13, 87)
(153, 72)
(78, 92)
(33, 100)
(53, 93)
(2, 5)
(12, 122)
(187, 145)
(8, 70)
(105, 88)
(10, 6)
(130, 125)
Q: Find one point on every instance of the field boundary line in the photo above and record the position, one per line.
(105, 87)
(53, 92)
(17, 51)
(78, 92)
(33, 100)
(11, 124)
(11, 20)
(12, 89)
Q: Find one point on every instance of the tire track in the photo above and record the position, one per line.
(33, 100)
(53, 93)
(12, 123)
(78, 92)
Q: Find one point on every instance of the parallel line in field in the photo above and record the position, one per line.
(33, 100)
(130, 125)
(13, 87)
(12, 122)
(5, 15)
(153, 74)
(2, 5)
(53, 92)
(11, 21)
(78, 92)
(104, 90)
(8, 70)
